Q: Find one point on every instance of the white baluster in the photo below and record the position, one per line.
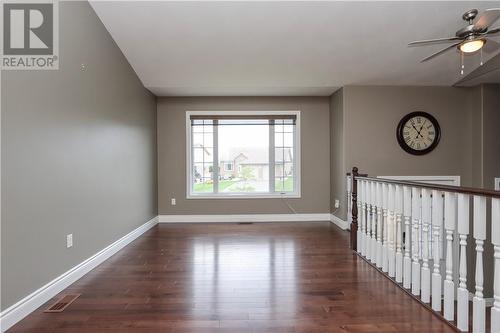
(373, 198)
(399, 219)
(391, 257)
(426, 221)
(385, 244)
(437, 223)
(450, 204)
(462, 292)
(379, 224)
(415, 235)
(368, 221)
(495, 239)
(407, 239)
(362, 215)
(360, 218)
(479, 231)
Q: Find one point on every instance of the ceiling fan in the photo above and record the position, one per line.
(471, 38)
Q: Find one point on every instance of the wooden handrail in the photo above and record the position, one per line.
(444, 188)
(359, 174)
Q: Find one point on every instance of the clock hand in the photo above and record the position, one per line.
(418, 132)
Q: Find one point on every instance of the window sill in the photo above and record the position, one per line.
(245, 196)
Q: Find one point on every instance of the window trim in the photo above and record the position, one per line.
(296, 162)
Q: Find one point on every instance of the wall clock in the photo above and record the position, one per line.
(418, 133)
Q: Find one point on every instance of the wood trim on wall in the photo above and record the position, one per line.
(244, 218)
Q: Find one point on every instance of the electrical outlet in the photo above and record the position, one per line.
(337, 203)
(173, 201)
(69, 240)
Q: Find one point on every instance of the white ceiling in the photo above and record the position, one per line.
(488, 73)
(284, 48)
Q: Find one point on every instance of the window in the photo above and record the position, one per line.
(237, 154)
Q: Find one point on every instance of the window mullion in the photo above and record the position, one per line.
(215, 168)
(191, 159)
(272, 188)
(296, 147)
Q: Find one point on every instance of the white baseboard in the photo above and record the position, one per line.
(30, 303)
(243, 218)
(344, 225)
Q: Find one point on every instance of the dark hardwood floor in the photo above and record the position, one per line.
(267, 277)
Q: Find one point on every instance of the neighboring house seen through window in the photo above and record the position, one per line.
(233, 154)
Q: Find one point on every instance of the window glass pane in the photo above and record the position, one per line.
(197, 125)
(198, 155)
(202, 177)
(197, 172)
(283, 139)
(208, 155)
(278, 139)
(284, 145)
(244, 147)
(204, 186)
(278, 170)
(288, 139)
(207, 170)
(278, 184)
(208, 140)
(284, 184)
(200, 126)
(243, 164)
(202, 155)
(202, 139)
(198, 139)
(283, 155)
(288, 170)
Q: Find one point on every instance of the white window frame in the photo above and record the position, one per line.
(296, 163)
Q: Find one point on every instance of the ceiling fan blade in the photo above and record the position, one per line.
(493, 31)
(440, 52)
(487, 18)
(434, 41)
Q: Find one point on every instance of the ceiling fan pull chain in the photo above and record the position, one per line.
(462, 67)
(481, 63)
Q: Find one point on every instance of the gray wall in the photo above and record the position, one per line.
(491, 134)
(371, 115)
(337, 157)
(78, 156)
(491, 167)
(475, 142)
(315, 164)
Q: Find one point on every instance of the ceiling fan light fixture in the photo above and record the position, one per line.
(472, 45)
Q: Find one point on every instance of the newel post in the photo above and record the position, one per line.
(354, 195)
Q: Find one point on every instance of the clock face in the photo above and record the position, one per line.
(418, 133)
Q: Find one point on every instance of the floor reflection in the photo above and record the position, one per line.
(256, 275)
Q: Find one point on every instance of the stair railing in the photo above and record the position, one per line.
(409, 231)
